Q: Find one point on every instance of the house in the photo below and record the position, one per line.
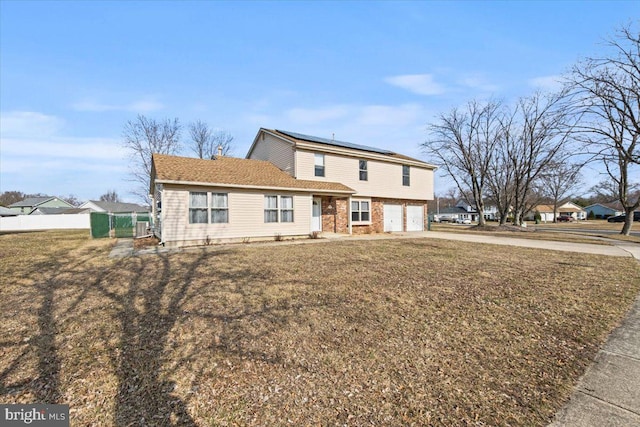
(465, 210)
(567, 209)
(112, 207)
(7, 212)
(26, 206)
(601, 211)
(289, 184)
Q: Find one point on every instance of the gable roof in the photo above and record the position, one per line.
(302, 140)
(234, 172)
(31, 201)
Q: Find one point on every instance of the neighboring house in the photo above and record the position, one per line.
(290, 185)
(470, 212)
(112, 207)
(26, 206)
(567, 209)
(601, 211)
(7, 212)
(49, 211)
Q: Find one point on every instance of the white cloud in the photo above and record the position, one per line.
(38, 157)
(422, 84)
(549, 83)
(64, 147)
(141, 106)
(28, 123)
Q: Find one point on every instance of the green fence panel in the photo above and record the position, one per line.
(100, 224)
(123, 225)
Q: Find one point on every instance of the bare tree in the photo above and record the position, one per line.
(559, 180)
(607, 90)
(10, 197)
(143, 137)
(110, 196)
(205, 141)
(463, 142)
(538, 129)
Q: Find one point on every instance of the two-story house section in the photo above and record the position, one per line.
(390, 190)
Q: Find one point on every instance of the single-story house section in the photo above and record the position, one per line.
(567, 209)
(289, 185)
(601, 211)
(26, 206)
(230, 199)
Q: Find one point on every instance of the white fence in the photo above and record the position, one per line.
(44, 222)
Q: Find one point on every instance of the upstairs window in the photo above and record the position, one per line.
(360, 211)
(363, 170)
(319, 164)
(198, 207)
(405, 176)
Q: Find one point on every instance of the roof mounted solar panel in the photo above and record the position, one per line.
(335, 143)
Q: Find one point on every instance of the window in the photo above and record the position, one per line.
(363, 170)
(197, 207)
(273, 214)
(360, 211)
(319, 164)
(286, 209)
(405, 175)
(219, 208)
(270, 208)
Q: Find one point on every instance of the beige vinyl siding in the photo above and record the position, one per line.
(246, 216)
(384, 179)
(274, 150)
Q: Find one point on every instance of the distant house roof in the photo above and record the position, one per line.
(298, 137)
(613, 206)
(49, 211)
(453, 210)
(31, 201)
(116, 206)
(234, 172)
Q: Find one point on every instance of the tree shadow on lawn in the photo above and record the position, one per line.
(145, 297)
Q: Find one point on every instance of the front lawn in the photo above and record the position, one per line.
(382, 332)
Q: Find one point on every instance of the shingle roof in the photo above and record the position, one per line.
(297, 137)
(234, 172)
(31, 201)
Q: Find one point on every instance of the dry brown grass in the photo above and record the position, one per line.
(384, 332)
(580, 235)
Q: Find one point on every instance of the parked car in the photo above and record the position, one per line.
(445, 219)
(463, 221)
(565, 218)
(621, 218)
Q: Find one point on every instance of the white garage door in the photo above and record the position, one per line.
(392, 217)
(415, 218)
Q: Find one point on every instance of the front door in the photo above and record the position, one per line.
(316, 214)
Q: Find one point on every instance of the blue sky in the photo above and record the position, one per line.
(372, 73)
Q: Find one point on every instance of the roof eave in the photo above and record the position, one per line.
(255, 187)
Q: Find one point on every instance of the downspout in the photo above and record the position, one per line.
(349, 214)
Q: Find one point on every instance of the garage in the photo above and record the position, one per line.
(392, 217)
(415, 218)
